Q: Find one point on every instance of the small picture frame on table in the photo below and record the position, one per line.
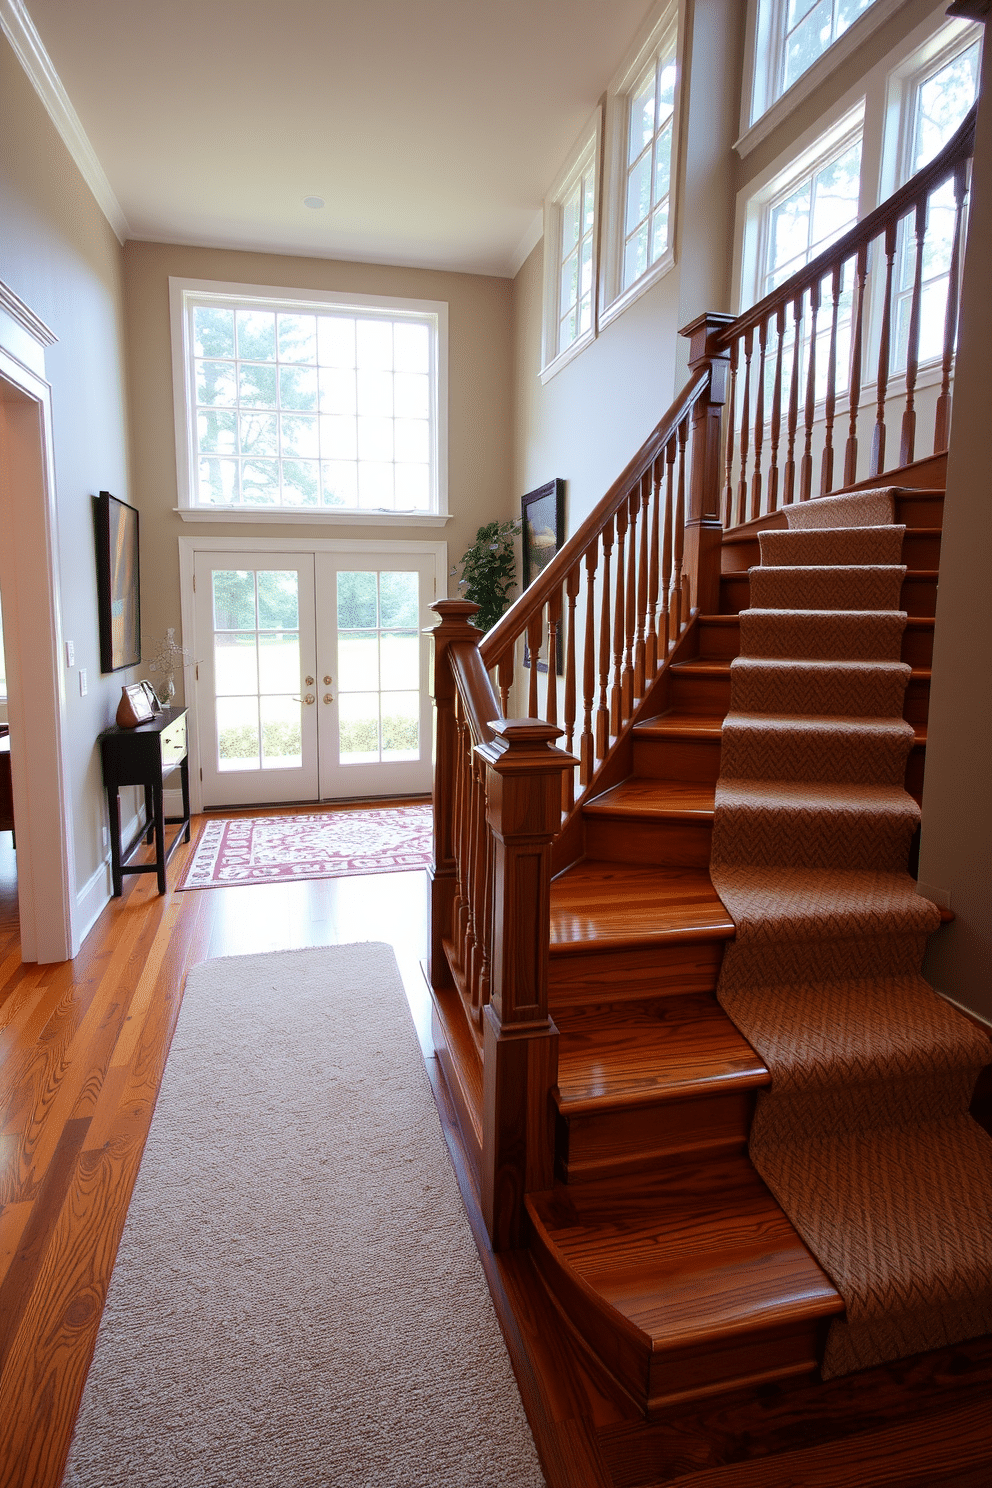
(542, 515)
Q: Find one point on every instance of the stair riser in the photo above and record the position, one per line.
(677, 759)
(919, 550)
(606, 1144)
(711, 695)
(579, 978)
(722, 643)
(917, 597)
(662, 843)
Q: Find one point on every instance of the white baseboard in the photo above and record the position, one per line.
(98, 890)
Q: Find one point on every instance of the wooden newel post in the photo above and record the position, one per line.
(456, 615)
(520, 1052)
(703, 528)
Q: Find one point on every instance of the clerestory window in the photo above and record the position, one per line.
(320, 404)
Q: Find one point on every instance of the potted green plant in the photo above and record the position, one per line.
(489, 571)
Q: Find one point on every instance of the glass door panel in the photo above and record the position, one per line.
(256, 711)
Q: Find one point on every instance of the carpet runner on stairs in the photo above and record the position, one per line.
(864, 1136)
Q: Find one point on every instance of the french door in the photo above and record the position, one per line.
(312, 675)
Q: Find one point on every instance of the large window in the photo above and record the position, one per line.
(318, 405)
(571, 240)
(650, 133)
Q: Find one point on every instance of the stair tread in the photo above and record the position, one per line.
(913, 622)
(646, 797)
(676, 724)
(718, 667)
(643, 1053)
(686, 1256)
(607, 905)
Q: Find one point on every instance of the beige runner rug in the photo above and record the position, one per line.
(864, 1136)
(297, 1300)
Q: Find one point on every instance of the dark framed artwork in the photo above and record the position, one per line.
(118, 586)
(542, 514)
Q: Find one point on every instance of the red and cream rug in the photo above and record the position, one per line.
(330, 844)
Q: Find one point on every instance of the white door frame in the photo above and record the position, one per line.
(189, 546)
(29, 570)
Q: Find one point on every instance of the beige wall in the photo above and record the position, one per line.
(593, 415)
(59, 255)
(479, 412)
(956, 847)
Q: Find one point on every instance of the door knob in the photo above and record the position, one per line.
(308, 681)
(328, 697)
(328, 681)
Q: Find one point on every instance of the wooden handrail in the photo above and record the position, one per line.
(512, 624)
(941, 168)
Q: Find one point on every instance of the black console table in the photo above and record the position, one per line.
(145, 756)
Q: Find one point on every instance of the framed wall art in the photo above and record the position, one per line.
(118, 587)
(542, 514)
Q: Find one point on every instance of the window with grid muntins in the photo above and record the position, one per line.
(575, 275)
(303, 406)
(808, 28)
(940, 101)
(650, 130)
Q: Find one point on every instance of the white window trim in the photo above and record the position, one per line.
(181, 291)
(587, 147)
(613, 298)
(952, 37)
(759, 118)
(190, 546)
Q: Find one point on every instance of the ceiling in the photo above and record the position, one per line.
(432, 128)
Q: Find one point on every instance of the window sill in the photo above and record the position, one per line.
(568, 355)
(317, 518)
(640, 286)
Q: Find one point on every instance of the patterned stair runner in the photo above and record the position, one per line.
(864, 1136)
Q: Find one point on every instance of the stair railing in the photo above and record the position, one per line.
(844, 333)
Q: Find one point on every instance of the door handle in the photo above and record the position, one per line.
(308, 699)
(328, 697)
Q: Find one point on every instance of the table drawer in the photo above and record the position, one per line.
(173, 740)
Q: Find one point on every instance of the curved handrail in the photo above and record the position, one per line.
(959, 147)
(513, 623)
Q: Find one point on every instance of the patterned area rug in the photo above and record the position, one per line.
(864, 1136)
(331, 844)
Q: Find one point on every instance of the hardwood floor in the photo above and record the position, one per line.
(82, 1050)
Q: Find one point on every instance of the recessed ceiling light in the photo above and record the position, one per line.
(314, 202)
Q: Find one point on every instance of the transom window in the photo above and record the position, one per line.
(311, 405)
(650, 130)
(809, 27)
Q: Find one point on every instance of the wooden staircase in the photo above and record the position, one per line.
(658, 1241)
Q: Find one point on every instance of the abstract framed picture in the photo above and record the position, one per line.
(542, 515)
(118, 586)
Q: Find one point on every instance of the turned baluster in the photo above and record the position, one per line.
(642, 588)
(603, 711)
(554, 624)
(535, 633)
(878, 434)
(587, 745)
(745, 428)
(472, 826)
(728, 497)
(806, 468)
(455, 626)
(668, 540)
(618, 624)
(759, 420)
(486, 929)
(504, 677)
(464, 768)
(651, 640)
(942, 421)
(851, 448)
(571, 593)
(907, 444)
(827, 464)
(678, 543)
(776, 421)
(630, 610)
(789, 494)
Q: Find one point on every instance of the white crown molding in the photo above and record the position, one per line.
(20, 31)
(528, 243)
